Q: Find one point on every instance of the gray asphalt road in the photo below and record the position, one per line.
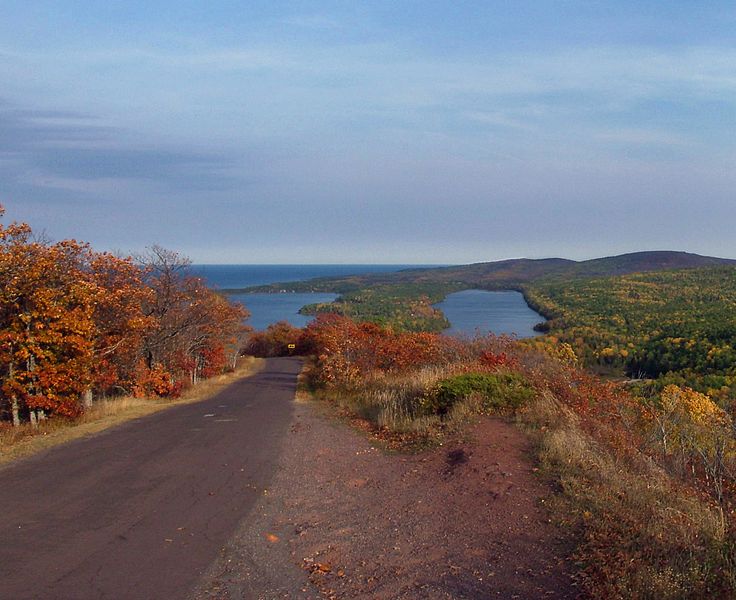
(141, 510)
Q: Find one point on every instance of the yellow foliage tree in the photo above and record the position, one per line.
(694, 426)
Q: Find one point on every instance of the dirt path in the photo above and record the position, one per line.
(141, 511)
(344, 520)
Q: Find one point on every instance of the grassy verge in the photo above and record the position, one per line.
(416, 410)
(641, 533)
(18, 442)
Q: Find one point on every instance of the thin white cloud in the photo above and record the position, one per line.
(313, 22)
(643, 137)
(499, 119)
(495, 138)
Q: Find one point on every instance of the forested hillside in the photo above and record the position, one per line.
(678, 326)
(404, 299)
(504, 274)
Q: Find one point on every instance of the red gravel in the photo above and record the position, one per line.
(345, 520)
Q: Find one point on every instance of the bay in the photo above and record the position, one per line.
(469, 311)
(266, 309)
(481, 311)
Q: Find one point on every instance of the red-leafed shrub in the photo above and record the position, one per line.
(345, 350)
(274, 341)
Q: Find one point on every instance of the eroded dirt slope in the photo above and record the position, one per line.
(344, 520)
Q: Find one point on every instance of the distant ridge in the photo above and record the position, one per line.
(515, 272)
(656, 260)
(511, 273)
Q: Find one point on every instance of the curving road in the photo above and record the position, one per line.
(141, 510)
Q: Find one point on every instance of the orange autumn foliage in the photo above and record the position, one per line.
(76, 323)
(346, 351)
(274, 341)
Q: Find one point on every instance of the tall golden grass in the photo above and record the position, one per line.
(641, 533)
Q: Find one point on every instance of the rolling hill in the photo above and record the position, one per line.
(504, 274)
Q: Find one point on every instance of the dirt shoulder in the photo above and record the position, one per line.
(342, 519)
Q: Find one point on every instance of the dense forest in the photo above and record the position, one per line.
(672, 326)
(76, 324)
(405, 307)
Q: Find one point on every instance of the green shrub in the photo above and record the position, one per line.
(497, 391)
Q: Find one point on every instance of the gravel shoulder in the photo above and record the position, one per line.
(342, 519)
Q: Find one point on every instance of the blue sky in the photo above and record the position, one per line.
(426, 132)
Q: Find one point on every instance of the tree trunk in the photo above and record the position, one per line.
(16, 412)
(13, 399)
(34, 420)
(87, 397)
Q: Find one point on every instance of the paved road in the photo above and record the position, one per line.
(141, 510)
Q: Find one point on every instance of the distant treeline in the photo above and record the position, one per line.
(403, 307)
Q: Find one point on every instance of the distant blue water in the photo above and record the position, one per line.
(469, 311)
(481, 311)
(240, 276)
(270, 308)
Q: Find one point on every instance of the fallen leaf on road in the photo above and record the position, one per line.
(321, 568)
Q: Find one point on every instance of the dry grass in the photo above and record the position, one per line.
(643, 535)
(639, 531)
(18, 442)
(391, 402)
(389, 407)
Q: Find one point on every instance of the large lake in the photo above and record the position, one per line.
(242, 276)
(469, 312)
(481, 311)
(270, 308)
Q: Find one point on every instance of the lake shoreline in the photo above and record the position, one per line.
(478, 311)
(363, 295)
(528, 321)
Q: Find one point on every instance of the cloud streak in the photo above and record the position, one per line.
(73, 151)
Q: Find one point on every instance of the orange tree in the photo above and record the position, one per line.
(47, 301)
(120, 324)
(194, 331)
(274, 341)
(74, 322)
(345, 351)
